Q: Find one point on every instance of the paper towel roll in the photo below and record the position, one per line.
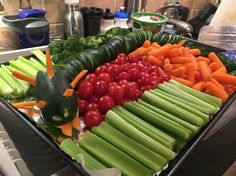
(225, 14)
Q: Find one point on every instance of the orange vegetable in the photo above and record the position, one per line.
(190, 68)
(168, 68)
(162, 73)
(195, 51)
(204, 70)
(76, 123)
(144, 51)
(27, 104)
(200, 86)
(50, 71)
(66, 129)
(154, 60)
(214, 58)
(77, 78)
(214, 66)
(24, 77)
(68, 92)
(177, 65)
(179, 71)
(146, 44)
(136, 52)
(214, 81)
(160, 51)
(217, 91)
(205, 59)
(181, 43)
(180, 60)
(173, 52)
(224, 78)
(156, 45)
(184, 81)
(167, 61)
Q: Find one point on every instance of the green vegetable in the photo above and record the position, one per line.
(172, 108)
(145, 127)
(5, 89)
(214, 101)
(31, 64)
(130, 146)
(116, 31)
(40, 55)
(116, 121)
(75, 151)
(158, 120)
(112, 156)
(233, 72)
(191, 127)
(39, 65)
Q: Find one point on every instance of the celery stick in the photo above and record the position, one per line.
(172, 109)
(18, 90)
(40, 55)
(25, 86)
(193, 105)
(174, 90)
(179, 144)
(185, 106)
(73, 150)
(39, 64)
(191, 127)
(112, 156)
(159, 120)
(26, 61)
(24, 68)
(5, 89)
(116, 121)
(214, 101)
(145, 127)
(134, 149)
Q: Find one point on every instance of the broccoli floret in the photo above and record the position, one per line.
(61, 56)
(72, 43)
(56, 46)
(94, 41)
(116, 31)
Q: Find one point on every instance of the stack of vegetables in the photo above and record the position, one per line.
(142, 136)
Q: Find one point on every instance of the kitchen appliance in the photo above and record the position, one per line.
(73, 19)
(31, 27)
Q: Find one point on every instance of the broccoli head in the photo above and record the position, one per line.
(116, 31)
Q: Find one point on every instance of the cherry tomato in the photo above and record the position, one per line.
(122, 101)
(100, 88)
(100, 69)
(112, 83)
(145, 80)
(104, 77)
(82, 105)
(165, 78)
(133, 74)
(121, 59)
(105, 103)
(132, 58)
(92, 119)
(130, 90)
(85, 90)
(144, 88)
(116, 92)
(138, 94)
(92, 78)
(92, 107)
(93, 99)
(125, 67)
(113, 70)
(124, 76)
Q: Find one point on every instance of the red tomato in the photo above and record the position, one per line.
(138, 94)
(92, 107)
(112, 83)
(145, 80)
(92, 78)
(132, 58)
(133, 74)
(85, 90)
(92, 119)
(100, 88)
(124, 76)
(165, 78)
(82, 105)
(104, 77)
(93, 99)
(122, 101)
(130, 90)
(113, 70)
(100, 69)
(105, 103)
(121, 58)
(125, 67)
(116, 92)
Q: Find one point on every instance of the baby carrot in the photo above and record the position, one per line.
(184, 81)
(224, 78)
(217, 91)
(162, 73)
(200, 86)
(214, 58)
(214, 66)
(205, 59)
(177, 65)
(179, 71)
(221, 70)
(204, 70)
(174, 52)
(197, 76)
(154, 60)
(156, 45)
(181, 43)
(146, 44)
(144, 51)
(167, 61)
(214, 81)
(180, 60)
(160, 51)
(66, 129)
(190, 72)
(195, 51)
(168, 68)
(136, 52)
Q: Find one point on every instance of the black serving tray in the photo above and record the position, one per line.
(172, 166)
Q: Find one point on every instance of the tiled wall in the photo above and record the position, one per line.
(56, 8)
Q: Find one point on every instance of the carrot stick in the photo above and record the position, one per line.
(214, 81)
(77, 78)
(41, 104)
(50, 71)
(184, 81)
(136, 52)
(24, 77)
(162, 73)
(177, 65)
(167, 61)
(214, 66)
(66, 129)
(154, 60)
(205, 59)
(76, 123)
(144, 51)
(221, 70)
(25, 104)
(68, 92)
(168, 68)
(190, 68)
(174, 52)
(181, 43)
(180, 60)
(156, 45)
(204, 70)
(179, 71)
(200, 86)
(214, 58)
(146, 44)
(217, 91)
(197, 75)
(160, 57)
(195, 51)
(160, 51)
(186, 52)
(224, 78)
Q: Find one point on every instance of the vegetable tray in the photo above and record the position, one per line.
(172, 166)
